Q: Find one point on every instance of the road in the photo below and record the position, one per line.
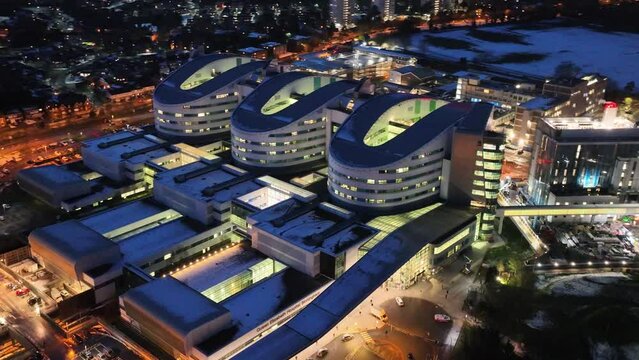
(25, 320)
(25, 144)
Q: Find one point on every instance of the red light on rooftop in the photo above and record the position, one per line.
(610, 105)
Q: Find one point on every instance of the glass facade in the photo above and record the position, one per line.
(486, 183)
(566, 167)
(241, 281)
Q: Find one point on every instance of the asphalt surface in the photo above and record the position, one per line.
(27, 322)
(410, 329)
(27, 143)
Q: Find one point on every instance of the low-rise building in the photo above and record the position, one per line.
(311, 238)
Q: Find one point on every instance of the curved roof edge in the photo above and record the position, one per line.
(248, 115)
(168, 92)
(348, 147)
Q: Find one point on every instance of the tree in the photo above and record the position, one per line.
(567, 69)
(630, 87)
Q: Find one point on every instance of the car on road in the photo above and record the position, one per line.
(441, 318)
(22, 292)
(347, 337)
(321, 353)
(379, 313)
(399, 301)
(466, 269)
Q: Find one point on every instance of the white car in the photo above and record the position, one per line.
(321, 352)
(347, 337)
(442, 318)
(399, 301)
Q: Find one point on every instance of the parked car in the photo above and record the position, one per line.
(321, 353)
(22, 292)
(442, 318)
(64, 293)
(347, 337)
(32, 301)
(399, 301)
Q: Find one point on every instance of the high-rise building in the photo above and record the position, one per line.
(386, 8)
(341, 13)
(506, 95)
(394, 154)
(281, 126)
(196, 101)
(560, 98)
(573, 156)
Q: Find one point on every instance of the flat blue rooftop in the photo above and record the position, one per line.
(109, 220)
(157, 241)
(133, 147)
(175, 305)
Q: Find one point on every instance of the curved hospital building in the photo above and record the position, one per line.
(282, 125)
(197, 100)
(393, 153)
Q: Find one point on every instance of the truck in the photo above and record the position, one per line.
(379, 313)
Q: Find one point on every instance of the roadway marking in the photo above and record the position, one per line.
(367, 338)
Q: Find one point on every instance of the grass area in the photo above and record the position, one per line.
(476, 343)
(518, 58)
(448, 43)
(497, 37)
(509, 259)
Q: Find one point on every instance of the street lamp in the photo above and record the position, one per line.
(4, 211)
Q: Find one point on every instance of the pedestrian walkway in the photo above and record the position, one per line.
(367, 337)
